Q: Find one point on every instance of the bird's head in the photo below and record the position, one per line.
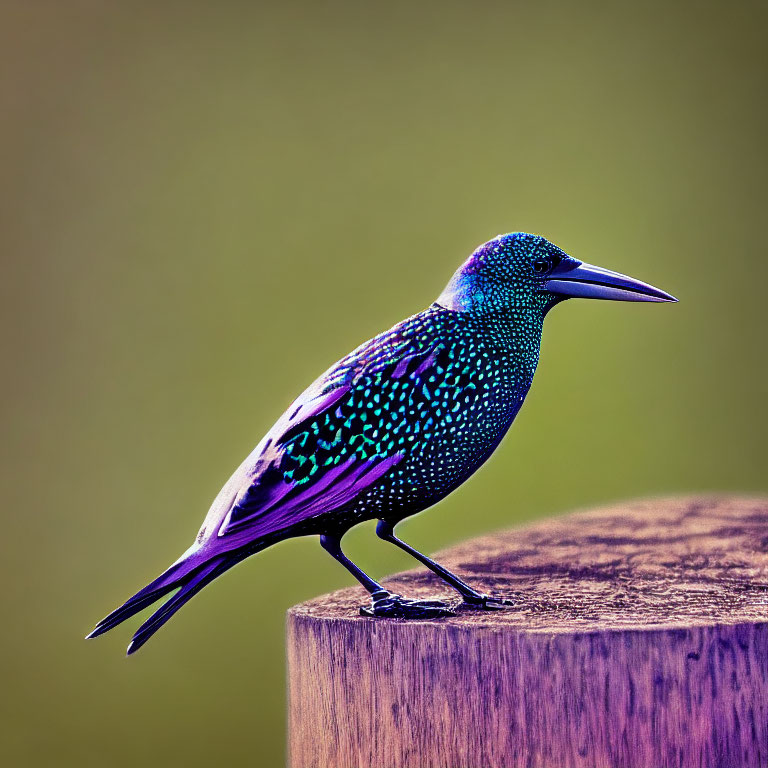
(527, 272)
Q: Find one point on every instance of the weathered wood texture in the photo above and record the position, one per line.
(639, 640)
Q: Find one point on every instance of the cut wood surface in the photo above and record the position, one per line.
(639, 639)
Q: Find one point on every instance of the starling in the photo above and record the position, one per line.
(392, 428)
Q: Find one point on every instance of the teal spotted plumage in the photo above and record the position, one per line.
(440, 389)
(394, 426)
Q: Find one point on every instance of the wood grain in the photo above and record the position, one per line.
(639, 640)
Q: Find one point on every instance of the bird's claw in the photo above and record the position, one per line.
(391, 606)
(487, 603)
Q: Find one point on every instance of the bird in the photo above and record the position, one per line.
(392, 428)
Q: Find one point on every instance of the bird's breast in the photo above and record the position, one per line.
(452, 440)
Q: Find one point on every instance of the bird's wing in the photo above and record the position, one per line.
(319, 456)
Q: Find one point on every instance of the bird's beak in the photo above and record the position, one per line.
(574, 278)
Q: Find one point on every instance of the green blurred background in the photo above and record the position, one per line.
(202, 205)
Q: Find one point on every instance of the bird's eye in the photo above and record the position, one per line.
(541, 266)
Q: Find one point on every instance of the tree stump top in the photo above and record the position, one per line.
(639, 638)
(651, 564)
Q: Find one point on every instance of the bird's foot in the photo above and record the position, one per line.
(480, 602)
(388, 605)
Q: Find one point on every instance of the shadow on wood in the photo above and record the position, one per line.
(639, 640)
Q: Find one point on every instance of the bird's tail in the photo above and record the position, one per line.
(187, 574)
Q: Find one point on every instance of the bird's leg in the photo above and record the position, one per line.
(383, 602)
(472, 598)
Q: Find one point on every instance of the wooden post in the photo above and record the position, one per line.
(639, 640)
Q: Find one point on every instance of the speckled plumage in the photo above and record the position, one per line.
(440, 389)
(394, 426)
